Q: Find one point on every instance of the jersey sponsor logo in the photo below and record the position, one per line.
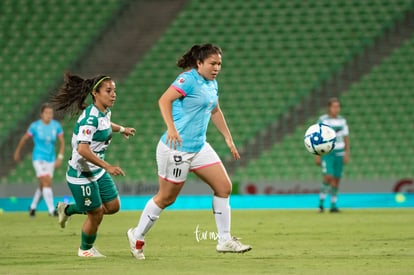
(177, 172)
(86, 132)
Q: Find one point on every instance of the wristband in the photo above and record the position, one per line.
(121, 130)
(60, 156)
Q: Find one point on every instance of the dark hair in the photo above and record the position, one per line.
(72, 94)
(44, 106)
(333, 100)
(197, 53)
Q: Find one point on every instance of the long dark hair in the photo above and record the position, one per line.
(197, 53)
(71, 96)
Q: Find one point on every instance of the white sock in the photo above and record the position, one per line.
(149, 216)
(48, 195)
(221, 210)
(36, 198)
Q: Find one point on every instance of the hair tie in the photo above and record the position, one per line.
(99, 82)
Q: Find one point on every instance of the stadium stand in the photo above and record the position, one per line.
(39, 40)
(275, 53)
(378, 111)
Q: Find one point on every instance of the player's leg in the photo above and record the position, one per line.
(338, 166)
(109, 195)
(216, 177)
(173, 168)
(327, 171)
(209, 168)
(88, 200)
(38, 193)
(35, 201)
(46, 183)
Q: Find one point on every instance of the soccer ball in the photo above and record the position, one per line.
(320, 139)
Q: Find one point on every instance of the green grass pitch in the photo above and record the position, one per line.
(284, 242)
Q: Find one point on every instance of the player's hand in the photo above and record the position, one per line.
(346, 158)
(128, 132)
(233, 149)
(318, 160)
(173, 139)
(115, 170)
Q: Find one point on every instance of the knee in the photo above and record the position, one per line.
(112, 208)
(164, 201)
(96, 215)
(224, 191)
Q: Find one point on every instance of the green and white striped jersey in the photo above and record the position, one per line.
(93, 127)
(340, 126)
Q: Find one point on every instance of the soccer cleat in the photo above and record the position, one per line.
(32, 213)
(321, 209)
(136, 246)
(233, 246)
(334, 210)
(62, 217)
(92, 252)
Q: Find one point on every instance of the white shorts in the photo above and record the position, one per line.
(173, 165)
(43, 168)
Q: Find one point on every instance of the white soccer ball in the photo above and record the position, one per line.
(320, 139)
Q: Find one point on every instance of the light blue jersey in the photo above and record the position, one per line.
(191, 113)
(44, 139)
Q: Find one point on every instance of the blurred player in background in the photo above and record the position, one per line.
(186, 107)
(332, 163)
(89, 175)
(44, 133)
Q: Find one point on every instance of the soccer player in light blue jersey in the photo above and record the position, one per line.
(89, 174)
(187, 107)
(332, 164)
(44, 132)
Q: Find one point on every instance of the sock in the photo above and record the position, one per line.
(221, 210)
(36, 198)
(149, 216)
(72, 209)
(87, 241)
(334, 193)
(322, 194)
(48, 195)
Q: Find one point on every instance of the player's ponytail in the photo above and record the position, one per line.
(197, 53)
(71, 96)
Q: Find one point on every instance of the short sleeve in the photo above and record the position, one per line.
(59, 130)
(31, 131)
(183, 84)
(87, 128)
(346, 129)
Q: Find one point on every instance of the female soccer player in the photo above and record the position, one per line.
(332, 163)
(88, 175)
(44, 133)
(186, 107)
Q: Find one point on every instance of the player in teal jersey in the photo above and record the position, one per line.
(44, 133)
(89, 175)
(186, 107)
(332, 164)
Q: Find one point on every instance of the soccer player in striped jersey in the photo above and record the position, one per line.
(89, 175)
(44, 133)
(332, 163)
(186, 107)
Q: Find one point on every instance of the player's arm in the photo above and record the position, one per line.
(126, 131)
(347, 149)
(61, 150)
(165, 105)
(219, 121)
(85, 151)
(19, 147)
